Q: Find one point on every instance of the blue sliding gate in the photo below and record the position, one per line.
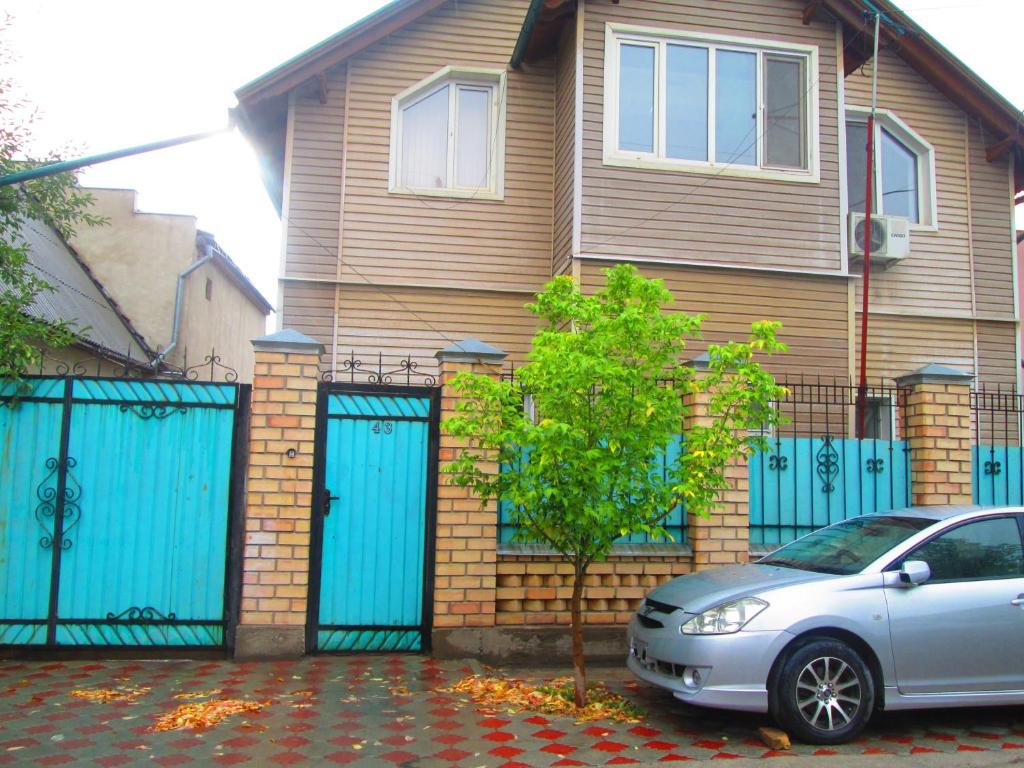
(373, 522)
(118, 520)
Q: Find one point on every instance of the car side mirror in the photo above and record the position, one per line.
(914, 572)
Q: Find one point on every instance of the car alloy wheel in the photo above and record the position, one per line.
(829, 693)
(823, 692)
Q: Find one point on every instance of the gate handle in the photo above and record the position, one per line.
(327, 501)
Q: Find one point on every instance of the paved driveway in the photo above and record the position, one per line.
(385, 711)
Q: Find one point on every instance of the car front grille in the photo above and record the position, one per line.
(645, 614)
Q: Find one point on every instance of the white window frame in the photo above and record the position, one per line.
(455, 77)
(617, 34)
(927, 196)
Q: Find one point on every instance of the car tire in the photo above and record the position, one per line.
(823, 693)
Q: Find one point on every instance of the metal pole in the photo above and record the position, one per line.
(72, 165)
(862, 389)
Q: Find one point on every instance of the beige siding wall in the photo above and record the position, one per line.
(419, 240)
(900, 344)
(309, 309)
(691, 216)
(314, 185)
(813, 311)
(997, 353)
(565, 151)
(936, 277)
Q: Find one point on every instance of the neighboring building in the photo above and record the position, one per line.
(438, 162)
(146, 260)
(107, 343)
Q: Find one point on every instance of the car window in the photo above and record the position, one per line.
(847, 547)
(985, 549)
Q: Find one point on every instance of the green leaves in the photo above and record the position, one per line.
(609, 395)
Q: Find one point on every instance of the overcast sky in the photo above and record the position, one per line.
(107, 74)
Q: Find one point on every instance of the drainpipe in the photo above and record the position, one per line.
(179, 299)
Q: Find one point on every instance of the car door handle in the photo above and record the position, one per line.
(1018, 601)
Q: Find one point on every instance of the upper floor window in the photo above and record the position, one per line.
(447, 135)
(710, 104)
(904, 168)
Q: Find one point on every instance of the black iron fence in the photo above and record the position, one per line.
(997, 424)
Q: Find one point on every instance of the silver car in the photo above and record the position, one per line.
(908, 609)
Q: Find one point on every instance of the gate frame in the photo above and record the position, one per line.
(234, 540)
(324, 390)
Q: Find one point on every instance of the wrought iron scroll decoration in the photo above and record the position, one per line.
(354, 369)
(875, 466)
(827, 464)
(46, 509)
(137, 614)
(214, 363)
(778, 463)
(146, 412)
(993, 468)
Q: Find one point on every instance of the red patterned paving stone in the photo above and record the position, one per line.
(567, 761)
(877, 751)
(724, 756)
(69, 745)
(54, 760)
(112, 761)
(709, 743)
(643, 730)
(291, 742)
(41, 728)
(232, 758)
(448, 738)
(673, 758)
(598, 731)
(344, 741)
(439, 700)
(239, 742)
(1011, 745)
(513, 764)
(397, 740)
(16, 743)
(453, 755)
(609, 746)
(499, 736)
(776, 753)
(493, 722)
(398, 726)
(131, 744)
(621, 760)
(342, 758)
(558, 749)
(937, 736)
(548, 733)
(186, 742)
(971, 748)
(506, 751)
(287, 758)
(299, 714)
(921, 750)
(983, 735)
(662, 745)
(448, 725)
(397, 756)
(444, 712)
(537, 720)
(898, 739)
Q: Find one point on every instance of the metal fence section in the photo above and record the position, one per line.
(997, 467)
(121, 510)
(812, 473)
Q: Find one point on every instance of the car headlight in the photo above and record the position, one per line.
(724, 619)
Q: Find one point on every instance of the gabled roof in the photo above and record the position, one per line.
(233, 272)
(79, 298)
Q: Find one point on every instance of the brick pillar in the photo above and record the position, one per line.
(723, 538)
(465, 575)
(279, 496)
(938, 431)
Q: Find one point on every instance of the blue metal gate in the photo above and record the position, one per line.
(116, 511)
(372, 561)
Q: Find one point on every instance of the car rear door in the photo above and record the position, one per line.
(962, 630)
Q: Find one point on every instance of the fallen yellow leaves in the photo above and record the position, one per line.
(109, 695)
(553, 698)
(205, 714)
(197, 695)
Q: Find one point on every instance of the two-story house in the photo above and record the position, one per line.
(437, 162)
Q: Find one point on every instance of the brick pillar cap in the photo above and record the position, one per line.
(699, 363)
(470, 351)
(288, 340)
(934, 373)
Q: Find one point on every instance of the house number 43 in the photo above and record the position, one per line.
(377, 428)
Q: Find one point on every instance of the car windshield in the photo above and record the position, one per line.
(847, 547)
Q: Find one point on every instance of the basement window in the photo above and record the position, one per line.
(447, 135)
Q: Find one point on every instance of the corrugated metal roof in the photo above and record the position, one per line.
(76, 297)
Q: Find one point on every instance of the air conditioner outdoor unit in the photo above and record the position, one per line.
(890, 238)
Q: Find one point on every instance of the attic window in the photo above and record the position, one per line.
(447, 135)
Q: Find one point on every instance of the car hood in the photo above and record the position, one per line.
(699, 591)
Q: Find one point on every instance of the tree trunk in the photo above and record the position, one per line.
(578, 662)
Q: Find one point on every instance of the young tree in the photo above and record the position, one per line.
(56, 200)
(608, 389)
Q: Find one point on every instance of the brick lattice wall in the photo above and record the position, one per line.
(939, 434)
